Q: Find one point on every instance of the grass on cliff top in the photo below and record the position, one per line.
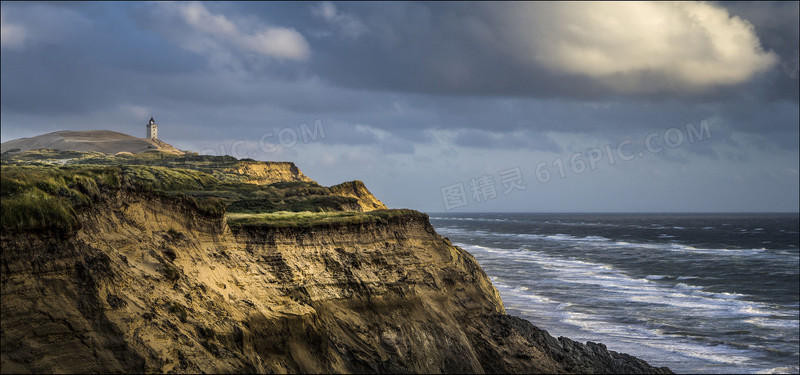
(224, 168)
(203, 178)
(46, 196)
(42, 197)
(309, 219)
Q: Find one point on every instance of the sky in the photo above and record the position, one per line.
(479, 107)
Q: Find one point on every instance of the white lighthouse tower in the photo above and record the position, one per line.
(152, 129)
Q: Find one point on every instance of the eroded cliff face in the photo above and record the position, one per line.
(148, 284)
(268, 172)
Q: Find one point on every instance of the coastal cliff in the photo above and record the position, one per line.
(148, 284)
(137, 269)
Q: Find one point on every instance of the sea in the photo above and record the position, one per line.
(699, 293)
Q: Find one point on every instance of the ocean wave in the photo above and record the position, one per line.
(685, 286)
(596, 301)
(567, 237)
(780, 324)
(670, 277)
(780, 370)
(580, 224)
(654, 339)
(487, 219)
(607, 242)
(617, 284)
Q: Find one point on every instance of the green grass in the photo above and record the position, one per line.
(309, 219)
(46, 189)
(168, 179)
(46, 197)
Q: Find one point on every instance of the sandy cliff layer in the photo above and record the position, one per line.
(267, 172)
(148, 284)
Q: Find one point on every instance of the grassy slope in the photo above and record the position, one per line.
(44, 189)
(307, 219)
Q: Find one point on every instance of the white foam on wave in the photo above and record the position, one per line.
(659, 299)
(652, 338)
(606, 242)
(580, 224)
(781, 324)
(599, 241)
(617, 284)
(780, 370)
(503, 220)
(567, 237)
(685, 286)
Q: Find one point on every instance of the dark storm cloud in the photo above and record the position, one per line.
(446, 63)
(778, 30)
(430, 48)
(478, 49)
(416, 53)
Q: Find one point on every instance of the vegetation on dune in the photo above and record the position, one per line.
(168, 179)
(224, 168)
(45, 189)
(307, 219)
(47, 196)
(47, 156)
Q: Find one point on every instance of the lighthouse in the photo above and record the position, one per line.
(152, 129)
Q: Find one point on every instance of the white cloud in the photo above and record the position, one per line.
(41, 24)
(11, 35)
(637, 46)
(219, 37)
(347, 24)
